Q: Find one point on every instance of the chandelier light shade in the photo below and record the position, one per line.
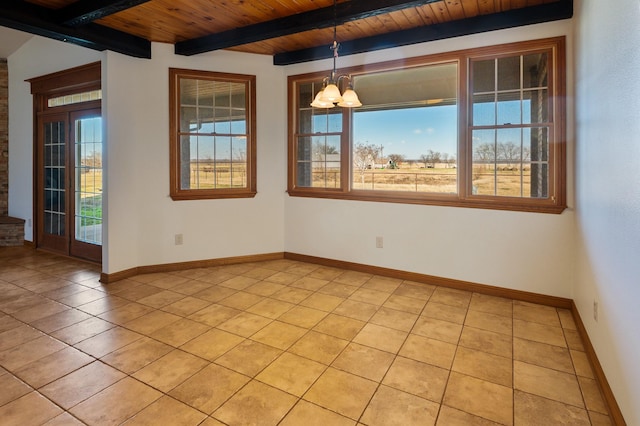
(330, 96)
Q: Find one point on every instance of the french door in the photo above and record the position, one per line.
(69, 183)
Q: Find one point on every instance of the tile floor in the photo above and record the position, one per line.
(278, 342)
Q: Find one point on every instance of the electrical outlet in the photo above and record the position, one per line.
(595, 310)
(379, 242)
(178, 239)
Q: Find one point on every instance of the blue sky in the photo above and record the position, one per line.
(410, 132)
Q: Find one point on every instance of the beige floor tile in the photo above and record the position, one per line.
(532, 312)
(30, 409)
(240, 300)
(592, 396)
(116, 403)
(371, 296)
(574, 341)
(338, 289)
(187, 306)
(214, 293)
(566, 319)
(82, 330)
(418, 378)
(344, 393)
(103, 305)
(581, 364)
(415, 290)
(7, 323)
(33, 350)
(547, 383)
(138, 292)
(491, 305)
(82, 297)
(364, 361)
(326, 273)
(245, 324)
(212, 344)
(161, 299)
(390, 407)
(302, 316)
(543, 355)
(64, 419)
(284, 278)
(491, 322)
(209, 388)
(483, 365)
(534, 410)
(392, 318)
(256, 404)
(238, 282)
(60, 320)
(353, 278)
(180, 332)
(486, 341)
(108, 341)
(379, 337)
(404, 304)
(170, 411)
(11, 388)
(339, 326)
(215, 277)
(479, 397)
(384, 284)
(308, 414)
(270, 308)
(444, 312)
(319, 347)
(308, 283)
(451, 297)
(291, 373)
(265, 288)
(437, 329)
(539, 333)
(45, 309)
(49, 368)
(123, 314)
(170, 281)
(81, 384)
(249, 357)
(169, 371)
(260, 273)
(18, 336)
(214, 315)
(279, 335)
(451, 417)
(431, 351)
(322, 302)
(356, 310)
(137, 355)
(598, 419)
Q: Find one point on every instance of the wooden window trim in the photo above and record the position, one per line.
(176, 192)
(555, 203)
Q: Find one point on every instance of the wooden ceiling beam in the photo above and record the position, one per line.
(562, 9)
(83, 12)
(35, 19)
(314, 19)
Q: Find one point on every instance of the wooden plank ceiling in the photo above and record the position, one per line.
(290, 30)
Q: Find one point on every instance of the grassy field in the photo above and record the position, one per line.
(486, 181)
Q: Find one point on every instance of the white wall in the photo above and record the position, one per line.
(38, 56)
(608, 189)
(142, 219)
(523, 251)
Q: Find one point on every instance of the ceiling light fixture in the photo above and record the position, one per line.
(330, 94)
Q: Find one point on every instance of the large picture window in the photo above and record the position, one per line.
(479, 128)
(212, 135)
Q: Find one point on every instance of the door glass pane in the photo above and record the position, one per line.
(88, 178)
(54, 187)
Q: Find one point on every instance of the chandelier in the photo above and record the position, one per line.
(330, 94)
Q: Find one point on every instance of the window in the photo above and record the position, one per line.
(478, 128)
(212, 126)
